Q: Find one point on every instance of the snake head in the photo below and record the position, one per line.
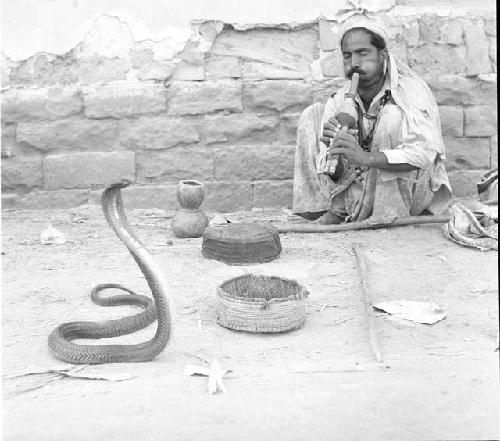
(119, 183)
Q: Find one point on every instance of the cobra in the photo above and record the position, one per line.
(59, 340)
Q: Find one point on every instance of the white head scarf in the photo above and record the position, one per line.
(362, 21)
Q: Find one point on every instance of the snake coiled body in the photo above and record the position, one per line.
(59, 340)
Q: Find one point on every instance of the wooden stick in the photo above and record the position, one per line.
(363, 225)
(372, 330)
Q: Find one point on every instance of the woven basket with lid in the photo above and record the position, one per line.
(256, 303)
(241, 243)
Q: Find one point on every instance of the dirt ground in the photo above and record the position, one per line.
(320, 382)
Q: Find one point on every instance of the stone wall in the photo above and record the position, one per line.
(221, 108)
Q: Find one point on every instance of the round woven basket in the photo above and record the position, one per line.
(257, 303)
(241, 243)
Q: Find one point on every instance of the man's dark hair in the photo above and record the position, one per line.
(375, 39)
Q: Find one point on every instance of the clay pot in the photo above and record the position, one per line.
(189, 220)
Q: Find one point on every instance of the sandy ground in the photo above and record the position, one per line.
(318, 383)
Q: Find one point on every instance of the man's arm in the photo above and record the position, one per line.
(347, 145)
(379, 160)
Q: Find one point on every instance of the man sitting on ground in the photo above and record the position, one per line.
(392, 164)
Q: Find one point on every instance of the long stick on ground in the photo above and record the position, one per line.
(370, 316)
(362, 225)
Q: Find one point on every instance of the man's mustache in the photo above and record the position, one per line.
(353, 71)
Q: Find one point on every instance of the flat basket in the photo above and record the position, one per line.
(256, 303)
(241, 243)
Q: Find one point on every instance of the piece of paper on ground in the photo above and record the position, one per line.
(420, 312)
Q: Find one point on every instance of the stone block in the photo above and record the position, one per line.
(494, 151)
(68, 134)
(9, 147)
(239, 128)
(464, 182)
(185, 71)
(156, 70)
(222, 67)
(294, 50)
(467, 153)
(89, 71)
(328, 35)
(40, 104)
(196, 98)
(331, 64)
(490, 27)
(186, 162)
(411, 33)
(477, 44)
(493, 52)
(452, 120)
(435, 60)
(123, 99)
(429, 26)
(452, 32)
(279, 95)
(22, 173)
(9, 201)
(456, 90)
(273, 194)
(398, 49)
(481, 121)
(228, 196)
(42, 200)
(151, 196)
(254, 162)
(288, 129)
(255, 71)
(87, 169)
(156, 132)
(322, 90)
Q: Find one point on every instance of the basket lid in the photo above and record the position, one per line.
(241, 243)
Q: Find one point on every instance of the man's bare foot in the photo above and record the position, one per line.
(329, 218)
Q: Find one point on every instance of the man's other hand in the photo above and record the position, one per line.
(346, 144)
(330, 130)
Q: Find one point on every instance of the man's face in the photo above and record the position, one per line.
(362, 57)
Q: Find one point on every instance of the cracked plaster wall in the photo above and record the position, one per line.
(220, 102)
